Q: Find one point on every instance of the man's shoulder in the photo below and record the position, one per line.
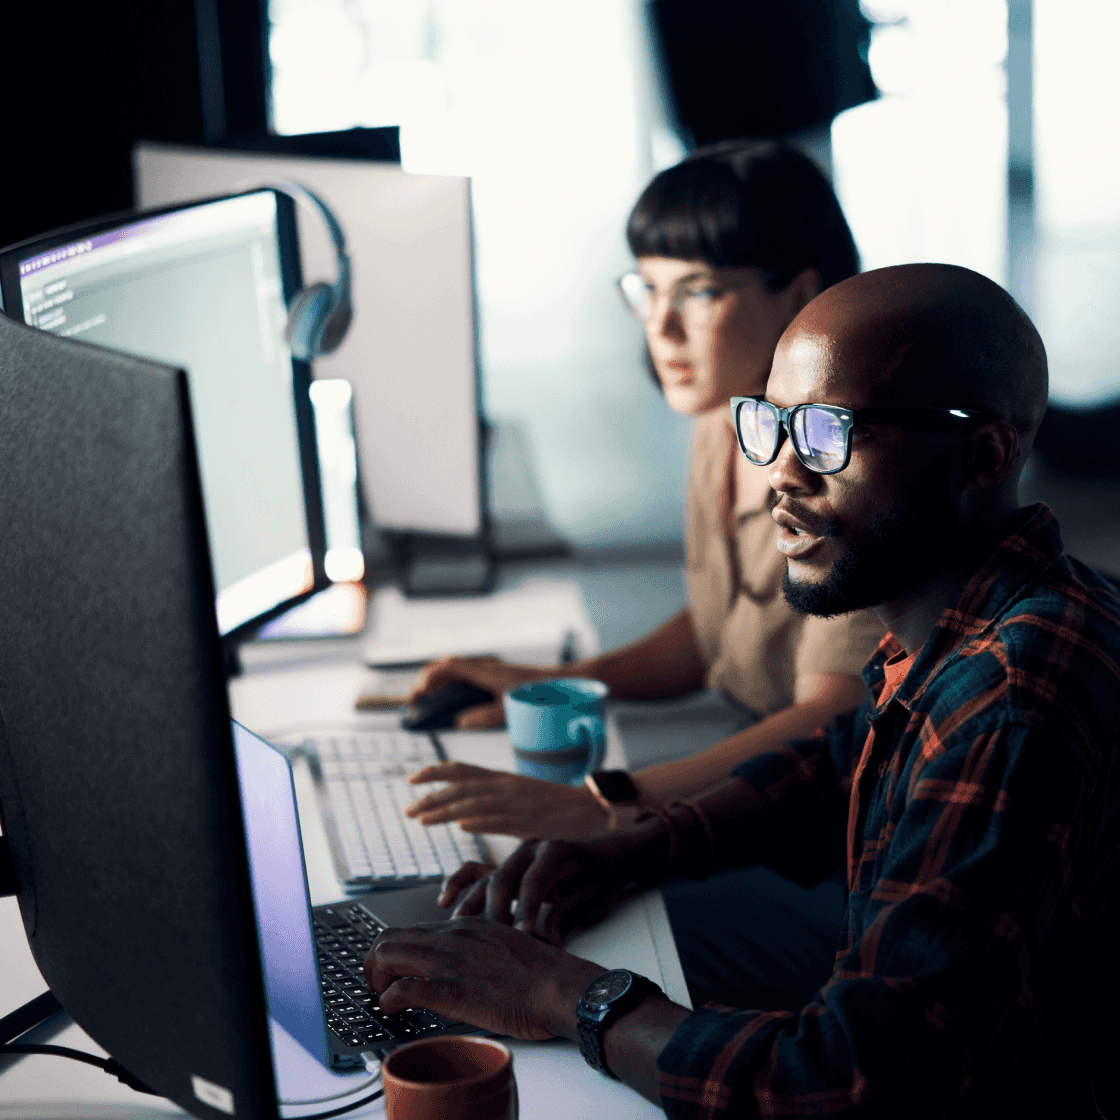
(1050, 658)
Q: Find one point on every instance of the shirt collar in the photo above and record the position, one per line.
(1032, 547)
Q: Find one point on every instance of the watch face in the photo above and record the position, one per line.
(608, 988)
(616, 786)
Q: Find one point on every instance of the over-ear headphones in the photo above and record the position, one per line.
(319, 314)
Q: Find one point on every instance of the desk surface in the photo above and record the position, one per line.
(302, 683)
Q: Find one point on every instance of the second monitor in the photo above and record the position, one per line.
(411, 353)
(205, 287)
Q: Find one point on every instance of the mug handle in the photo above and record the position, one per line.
(596, 732)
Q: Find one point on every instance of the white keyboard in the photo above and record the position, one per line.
(363, 776)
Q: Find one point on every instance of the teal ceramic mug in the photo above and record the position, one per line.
(557, 728)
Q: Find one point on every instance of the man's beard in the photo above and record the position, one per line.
(900, 549)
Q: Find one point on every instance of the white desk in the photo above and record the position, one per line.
(553, 1080)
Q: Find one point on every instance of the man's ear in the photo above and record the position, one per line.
(993, 449)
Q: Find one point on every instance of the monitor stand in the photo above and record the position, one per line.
(436, 565)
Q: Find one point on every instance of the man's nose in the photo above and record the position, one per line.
(788, 474)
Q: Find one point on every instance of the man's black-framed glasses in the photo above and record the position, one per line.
(822, 433)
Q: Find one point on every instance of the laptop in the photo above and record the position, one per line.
(312, 956)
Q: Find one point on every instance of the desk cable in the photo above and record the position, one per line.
(112, 1066)
(109, 1065)
(35, 1011)
(373, 1067)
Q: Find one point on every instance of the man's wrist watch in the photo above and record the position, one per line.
(604, 1000)
(613, 790)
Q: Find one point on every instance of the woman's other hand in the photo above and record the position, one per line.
(487, 672)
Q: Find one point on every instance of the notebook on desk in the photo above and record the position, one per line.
(531, 622)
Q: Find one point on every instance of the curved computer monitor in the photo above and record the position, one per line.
(123, 834)
(205, 287)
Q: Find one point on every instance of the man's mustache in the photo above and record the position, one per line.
(817, 525)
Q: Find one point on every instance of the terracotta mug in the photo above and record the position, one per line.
(450, 1079)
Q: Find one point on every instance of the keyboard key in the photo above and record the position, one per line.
(423, 1020)
(399, 1027)
(364, 780)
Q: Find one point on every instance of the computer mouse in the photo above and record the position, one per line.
(437, 710)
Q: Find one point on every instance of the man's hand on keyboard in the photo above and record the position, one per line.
(507, 804)
(552, 888)
(480, 973)
(486, 672)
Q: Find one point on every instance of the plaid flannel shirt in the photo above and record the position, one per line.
(978, 817)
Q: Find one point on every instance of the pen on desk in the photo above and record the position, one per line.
(377, 702)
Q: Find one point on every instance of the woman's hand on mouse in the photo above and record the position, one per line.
(487, 672)
(507, 804)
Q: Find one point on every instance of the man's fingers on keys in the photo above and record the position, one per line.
(471, 873)
(412, 991)
(472, 900)
(505, 882)
(549, 866)
(400, 952)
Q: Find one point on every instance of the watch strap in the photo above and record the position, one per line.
(592, 1022)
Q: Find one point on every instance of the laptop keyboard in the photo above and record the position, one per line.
(343, 936)
(376, 845)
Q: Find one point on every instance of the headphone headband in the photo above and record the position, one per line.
(319, 314)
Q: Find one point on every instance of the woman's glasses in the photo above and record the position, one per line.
(693, 302)
(822, 433)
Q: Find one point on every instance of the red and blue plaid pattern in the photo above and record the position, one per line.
(978, 812)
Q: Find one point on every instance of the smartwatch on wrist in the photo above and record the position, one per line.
(604, 1000)
(613, 790)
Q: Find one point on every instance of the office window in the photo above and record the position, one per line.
(552, 110)
(1077, 190)
(922, 171)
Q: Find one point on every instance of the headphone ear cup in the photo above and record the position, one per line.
(336, 326)
(308, 316)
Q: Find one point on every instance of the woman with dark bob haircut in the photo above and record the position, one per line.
(730, 245)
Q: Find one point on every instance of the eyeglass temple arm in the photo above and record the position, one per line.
(918, 419)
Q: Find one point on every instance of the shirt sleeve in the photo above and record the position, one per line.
(934, 968)
(796, 801)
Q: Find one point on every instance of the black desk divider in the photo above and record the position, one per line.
(118, 789)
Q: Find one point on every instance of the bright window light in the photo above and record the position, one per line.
(338, 472)
(554, 112)
(922, 171)
(1077, 183)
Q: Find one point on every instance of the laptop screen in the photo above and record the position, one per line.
(280, 893)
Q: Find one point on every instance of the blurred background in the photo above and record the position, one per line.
(976, 132)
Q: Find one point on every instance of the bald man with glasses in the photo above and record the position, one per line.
(973, 800)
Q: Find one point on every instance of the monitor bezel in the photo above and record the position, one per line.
(11, 304)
